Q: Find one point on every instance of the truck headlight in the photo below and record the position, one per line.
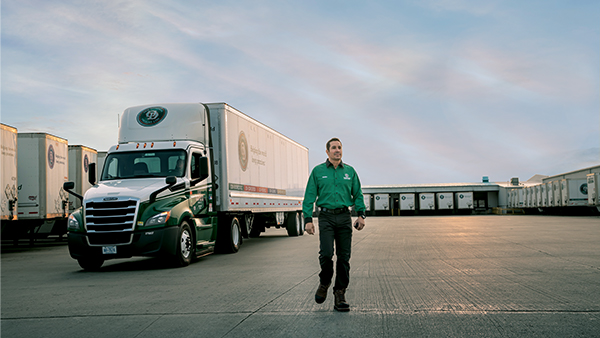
(73, 223)
(159, 219)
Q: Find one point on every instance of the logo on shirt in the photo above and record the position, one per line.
(347, 177)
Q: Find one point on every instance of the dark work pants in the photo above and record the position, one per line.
(335, 229)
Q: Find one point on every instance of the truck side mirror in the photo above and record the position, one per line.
(92, 174)
(68, 186)
(170, 180)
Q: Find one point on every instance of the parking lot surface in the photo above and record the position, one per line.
(446, 276)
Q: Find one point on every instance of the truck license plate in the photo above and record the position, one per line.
(109, 250)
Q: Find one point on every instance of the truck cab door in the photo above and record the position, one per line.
(199, 195)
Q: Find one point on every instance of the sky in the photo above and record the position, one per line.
(419, 91)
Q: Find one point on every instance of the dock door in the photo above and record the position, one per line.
(480, 200)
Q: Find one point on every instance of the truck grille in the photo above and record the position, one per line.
(110, 216)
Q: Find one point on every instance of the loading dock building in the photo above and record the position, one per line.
(538, 194)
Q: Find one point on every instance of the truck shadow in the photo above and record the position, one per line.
(156, 263)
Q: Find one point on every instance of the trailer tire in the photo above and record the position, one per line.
(90, 264)
(293, 224)
(185, 246)
(229, 236)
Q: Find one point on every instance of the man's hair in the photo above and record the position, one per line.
(332, 140)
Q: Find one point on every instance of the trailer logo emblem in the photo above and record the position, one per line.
(151, 116)
(51, 156)
(243, 151)
(86, 163)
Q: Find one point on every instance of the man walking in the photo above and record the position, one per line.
(335, 187)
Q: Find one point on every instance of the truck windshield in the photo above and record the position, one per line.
(139, 164)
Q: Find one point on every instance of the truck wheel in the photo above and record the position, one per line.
(293, 223)
(90, 264)
(185, 246)
(229, 236)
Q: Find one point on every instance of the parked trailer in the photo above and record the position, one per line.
(512, 198)
(407, 201)
(550, 192)
(80, 158)
(9, 173)
(464, 200)
(426, 201)
(556, 194)
(382, 202)
(185, 180)
(574, 192)
(42, 170)
(445, 201)
(592, 187)
(544, 195)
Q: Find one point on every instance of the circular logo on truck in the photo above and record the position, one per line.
(151, 116)
(51, 156)
(583, 189)
(243, 151)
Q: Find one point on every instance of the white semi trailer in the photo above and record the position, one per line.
(464, 200)
(407, 202)
(445, 200)
(185, 180)
(42, 169)
(427, 201)
(8, 185)
(574, 192)
(80, 158)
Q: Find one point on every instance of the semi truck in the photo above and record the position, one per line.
(185, 180)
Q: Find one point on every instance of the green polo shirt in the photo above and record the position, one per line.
(332, 188)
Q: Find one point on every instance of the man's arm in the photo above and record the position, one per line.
(310, 196)
(359, 202)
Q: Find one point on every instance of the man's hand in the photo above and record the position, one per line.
(310, 228)
(361, 223)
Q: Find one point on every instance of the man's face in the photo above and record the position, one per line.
(335, 151)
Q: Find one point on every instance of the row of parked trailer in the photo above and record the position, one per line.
(557, 193)
(422, 201)
(34, 168)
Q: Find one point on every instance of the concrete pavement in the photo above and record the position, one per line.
(448, 276)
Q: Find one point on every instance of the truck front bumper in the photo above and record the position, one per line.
(155, 242)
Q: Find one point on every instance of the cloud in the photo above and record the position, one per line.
(435, 91)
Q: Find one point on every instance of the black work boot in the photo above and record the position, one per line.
(321, 293)
(340, 301)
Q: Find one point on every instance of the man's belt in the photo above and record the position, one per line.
(335, 211)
